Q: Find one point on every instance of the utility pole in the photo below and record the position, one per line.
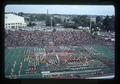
(46, 17)
(51, 22)
(90, 24)
(47, 12)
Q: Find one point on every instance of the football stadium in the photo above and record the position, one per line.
(59, 44)
(64, 54)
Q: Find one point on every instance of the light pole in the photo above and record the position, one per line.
(51, 21)
(90, 23)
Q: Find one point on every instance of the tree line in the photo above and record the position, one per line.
(105, 24)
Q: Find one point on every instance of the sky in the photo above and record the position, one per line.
(63, 9)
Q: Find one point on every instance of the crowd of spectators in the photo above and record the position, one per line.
(24, 38)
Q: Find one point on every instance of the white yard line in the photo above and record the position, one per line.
(57, 58)
(17, 59)
(102, 77)
(13, 64)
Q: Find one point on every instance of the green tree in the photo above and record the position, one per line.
(48, 22)
(112, 23)
(32, 18)
(106, 23)
(57, 20)
(31, 24)
(20, 13)
(98, 19)
(99, 22)
(41, 17)
(81, 21)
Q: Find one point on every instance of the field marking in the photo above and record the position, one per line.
(22, 61)
(13, 63)
(15, 59)
(21, 66)
(102, 77)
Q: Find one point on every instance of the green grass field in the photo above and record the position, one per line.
(18, 54)
(109, 53)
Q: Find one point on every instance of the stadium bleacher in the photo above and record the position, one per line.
(39, 51)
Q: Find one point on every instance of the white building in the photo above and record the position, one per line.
(13, 21)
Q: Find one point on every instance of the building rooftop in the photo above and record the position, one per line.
(12, 18)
